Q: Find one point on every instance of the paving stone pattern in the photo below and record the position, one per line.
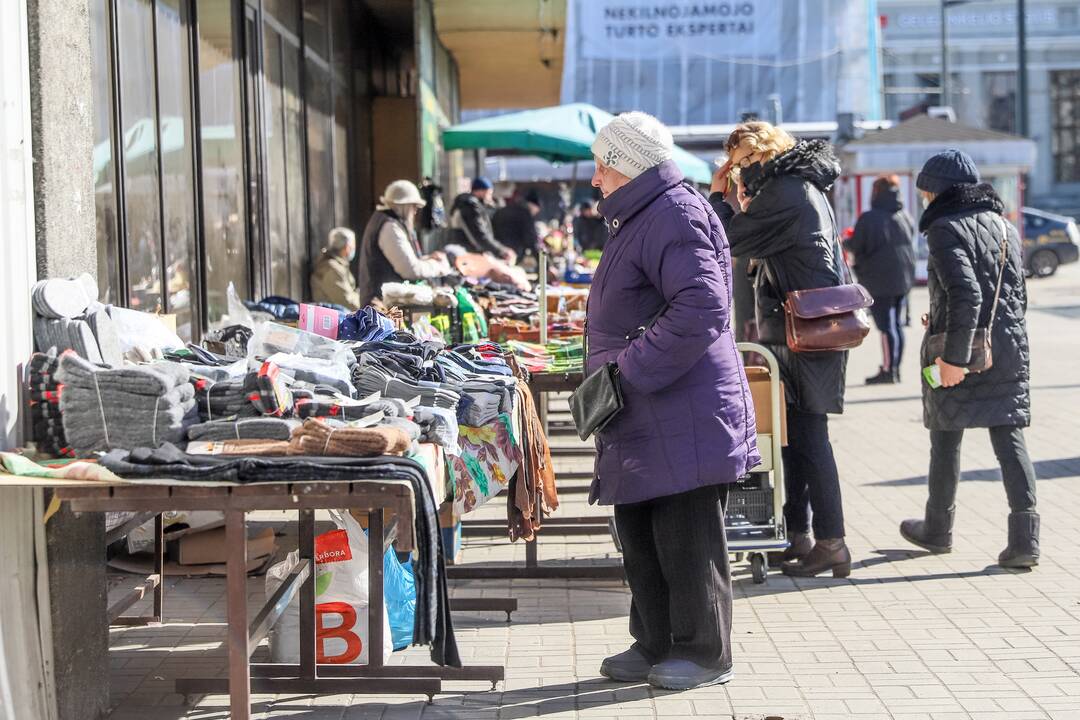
(908, 636)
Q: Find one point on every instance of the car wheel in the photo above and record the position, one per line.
(1044, 263)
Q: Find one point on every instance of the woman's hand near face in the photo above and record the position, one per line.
(720, 179)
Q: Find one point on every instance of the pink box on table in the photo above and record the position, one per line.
(319, 320)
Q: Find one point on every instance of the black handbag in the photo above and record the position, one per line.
(982, 356)
(598, 399)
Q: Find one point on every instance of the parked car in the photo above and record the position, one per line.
(1049, 241)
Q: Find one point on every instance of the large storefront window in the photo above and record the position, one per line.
(223, 139)
(142, 200)
(319, 109)
(221, 142)
(1065, 109)
(178, 199)
(284, 137)
(108, 232)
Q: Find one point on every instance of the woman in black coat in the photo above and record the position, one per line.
(971, 246)
(885, 266)
(787, 230)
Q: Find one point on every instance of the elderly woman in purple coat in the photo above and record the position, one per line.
(686, 430)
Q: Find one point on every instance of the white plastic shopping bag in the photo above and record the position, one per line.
(341, 599)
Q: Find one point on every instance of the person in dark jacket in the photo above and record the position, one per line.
(786, 228)
(885, 266)
(590, 230)
(470, 223)
(687, 429)
(971, 246)
(389, 248)
(515, 225)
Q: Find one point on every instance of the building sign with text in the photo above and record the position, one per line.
(636, 29)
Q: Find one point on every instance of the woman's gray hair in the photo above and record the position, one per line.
(339, 238)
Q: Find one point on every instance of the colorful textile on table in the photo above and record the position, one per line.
(489, 459)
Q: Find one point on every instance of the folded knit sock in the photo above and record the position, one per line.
(108, 341)
(154, 379)
(64, 297)
(266, 428)
(272, 395)
(253, 447)
(316, 438)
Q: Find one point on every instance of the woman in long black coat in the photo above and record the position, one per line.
(968, 237)
(787, 229)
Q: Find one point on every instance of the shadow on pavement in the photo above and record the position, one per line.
(780, 584)
(1044, 470)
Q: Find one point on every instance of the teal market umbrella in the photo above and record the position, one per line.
(563, 134)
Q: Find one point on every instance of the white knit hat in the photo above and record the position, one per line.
(402, 192)
(632, 143)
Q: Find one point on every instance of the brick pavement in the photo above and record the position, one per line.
(908, 636)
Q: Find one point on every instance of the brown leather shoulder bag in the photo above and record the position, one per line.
(827, 319)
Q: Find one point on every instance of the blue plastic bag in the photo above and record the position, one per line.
(399, 597)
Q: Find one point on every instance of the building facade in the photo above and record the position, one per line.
(981, 38)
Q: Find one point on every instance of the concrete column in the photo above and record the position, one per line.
(61, 95)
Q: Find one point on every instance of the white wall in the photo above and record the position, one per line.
(25, 680)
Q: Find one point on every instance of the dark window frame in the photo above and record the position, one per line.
(1065, 85)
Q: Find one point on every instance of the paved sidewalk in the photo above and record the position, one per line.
(908, 636)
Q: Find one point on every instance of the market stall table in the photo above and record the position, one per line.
(370, 496)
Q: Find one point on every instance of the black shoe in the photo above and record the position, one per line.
(884, 377)
(685, 675)
(628, 666)
(934, 533)
(1023, 549)
(827, 555)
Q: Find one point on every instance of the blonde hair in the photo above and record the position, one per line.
(760, 137)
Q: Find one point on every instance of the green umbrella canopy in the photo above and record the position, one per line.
(563, 133)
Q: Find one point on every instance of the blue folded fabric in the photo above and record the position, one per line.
(365, 325)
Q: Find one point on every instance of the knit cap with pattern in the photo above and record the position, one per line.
(632, 143)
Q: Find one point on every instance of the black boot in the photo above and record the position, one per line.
(933, 533)
(884, 377)
(1023, 549)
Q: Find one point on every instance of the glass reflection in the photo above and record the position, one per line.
(222, 156)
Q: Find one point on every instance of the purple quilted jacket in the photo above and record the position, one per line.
(688, 418)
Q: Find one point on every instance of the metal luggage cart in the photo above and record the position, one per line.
(755, 511)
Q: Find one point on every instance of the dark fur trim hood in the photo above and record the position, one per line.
(811, 160)
(965, 197)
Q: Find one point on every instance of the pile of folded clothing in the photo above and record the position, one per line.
(366, 324)
(316, 437)
(142, 406)
(257, 428)
(67, 316)
(43, 391)
(230, 398)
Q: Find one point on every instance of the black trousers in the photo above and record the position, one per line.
(1017, 472)
(676, 561)
(811, 480)
(888, 315)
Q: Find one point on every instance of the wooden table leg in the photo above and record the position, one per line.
(159, 568)
(236, 581)
(375, 608)
(306, 530)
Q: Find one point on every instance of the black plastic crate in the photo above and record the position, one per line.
(749, 506)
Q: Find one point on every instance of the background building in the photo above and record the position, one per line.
(699, 63)
(982, 47)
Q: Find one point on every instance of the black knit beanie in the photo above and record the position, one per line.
(947, 168)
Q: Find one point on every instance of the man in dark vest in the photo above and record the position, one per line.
(389, 249)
